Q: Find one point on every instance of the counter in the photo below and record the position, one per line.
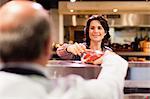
(60, 68)
(138, 71)
(137, 80)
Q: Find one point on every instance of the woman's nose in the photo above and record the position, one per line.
(95, 30)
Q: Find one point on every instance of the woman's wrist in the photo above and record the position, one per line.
(67, 48)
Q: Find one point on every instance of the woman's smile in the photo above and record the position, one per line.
(96, 31)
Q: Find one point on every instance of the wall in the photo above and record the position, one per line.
(126, 35)
(55, 25)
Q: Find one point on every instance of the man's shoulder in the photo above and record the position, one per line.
(19, 85)
(12, 78)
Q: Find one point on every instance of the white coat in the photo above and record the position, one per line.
(109, 84)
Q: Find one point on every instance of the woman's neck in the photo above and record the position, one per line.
(95, 46)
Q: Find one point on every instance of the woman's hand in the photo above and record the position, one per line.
(76, 49)
(100, 59)
(92, 56)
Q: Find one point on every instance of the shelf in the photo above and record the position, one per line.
(139, 64)
(137, 83)
(134, 53)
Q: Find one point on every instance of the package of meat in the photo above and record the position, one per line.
(91, 55)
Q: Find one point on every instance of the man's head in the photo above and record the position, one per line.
(24, 32)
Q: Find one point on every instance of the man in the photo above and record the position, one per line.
(24, 52)
(3, 2)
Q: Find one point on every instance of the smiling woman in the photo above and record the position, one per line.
(98, 26)
(97, 38)
(96, 31)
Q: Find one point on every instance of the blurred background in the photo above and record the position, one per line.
(129, 22)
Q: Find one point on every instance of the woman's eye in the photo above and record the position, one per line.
(99, 27)
(92, 28)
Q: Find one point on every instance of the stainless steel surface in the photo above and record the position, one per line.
(137, 84)
(58, 68)
(138, 71)
(142, 20)
(116, 20)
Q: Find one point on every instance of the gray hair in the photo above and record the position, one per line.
(25, 41)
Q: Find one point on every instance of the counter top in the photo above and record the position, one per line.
(58, 68)
(71, 63)
(138, 81)
(68, 63)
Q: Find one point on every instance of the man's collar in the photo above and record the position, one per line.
(25, 69)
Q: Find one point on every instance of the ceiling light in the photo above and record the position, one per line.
(115, 10)
(72, 0)
(71, 10)
(74, 21)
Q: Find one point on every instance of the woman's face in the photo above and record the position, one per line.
(96, 31)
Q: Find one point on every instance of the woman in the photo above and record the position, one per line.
(110, 80)
(97, 38)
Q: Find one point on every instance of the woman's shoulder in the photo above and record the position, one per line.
(107, 48)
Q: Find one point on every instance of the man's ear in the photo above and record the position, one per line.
(48, 47)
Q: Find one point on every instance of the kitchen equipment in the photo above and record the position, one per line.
(146, 47)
